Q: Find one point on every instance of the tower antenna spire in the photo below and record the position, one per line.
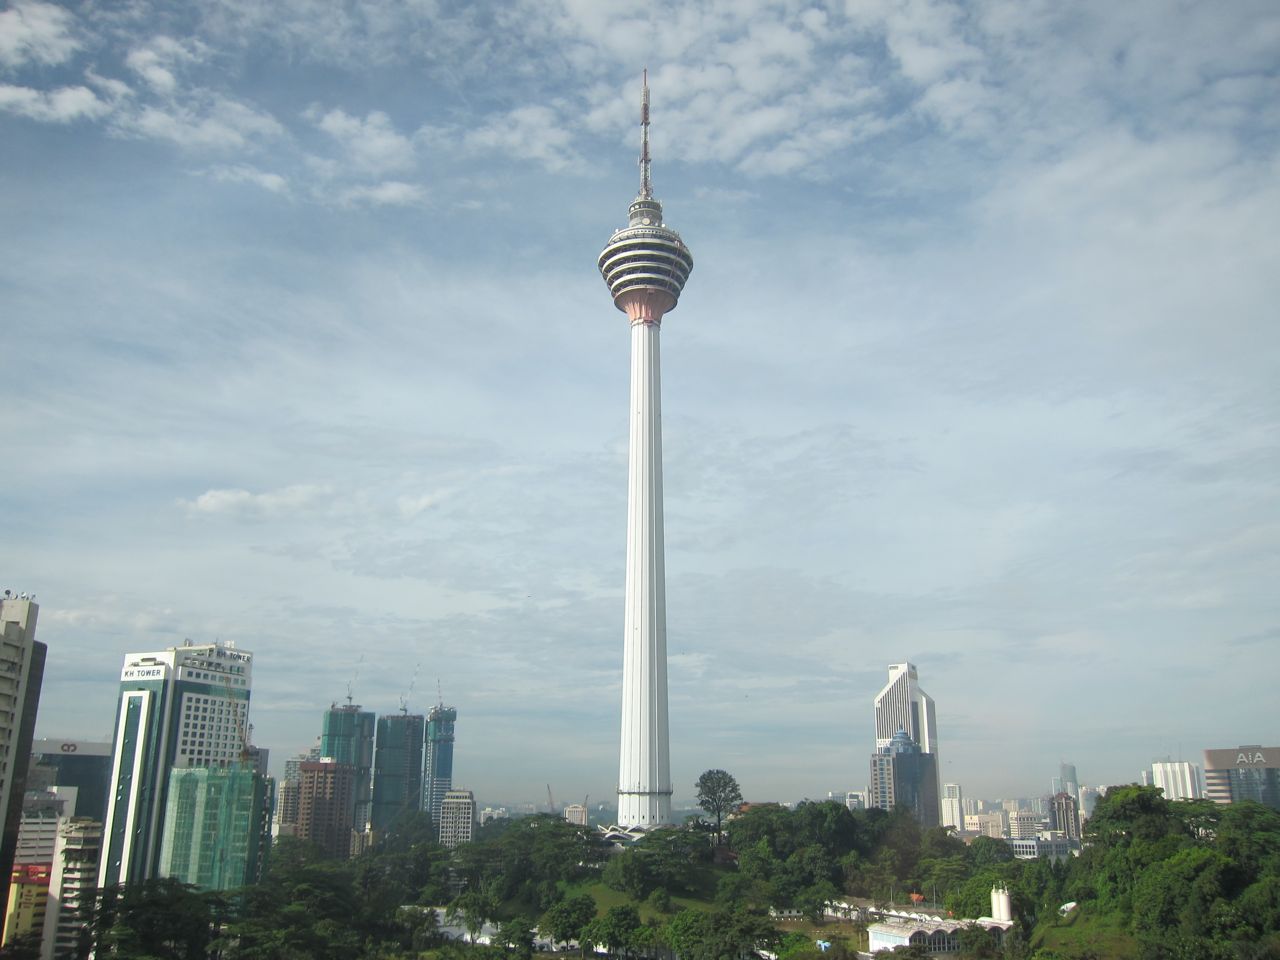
(646, 185)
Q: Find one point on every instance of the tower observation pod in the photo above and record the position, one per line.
(645, 265)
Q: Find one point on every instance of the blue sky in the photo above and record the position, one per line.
(305, 349)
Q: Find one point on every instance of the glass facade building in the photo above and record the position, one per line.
(217, 826)
(347, 737)
(397, 768)
(439, 774)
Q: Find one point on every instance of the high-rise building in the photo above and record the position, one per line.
(856, 800)
(439, 766)
(1065, 781)
(902, 775)
(1248, 772)
(1180, 779)
(952, 806)
(347, 737)
(216, 826)
(73, 887)
(1024, 824)
(83, 764)
(182, 707)
(397, 768)
(457, 818)
(902, 705)
(326, 805)
(1066, 815)
(645, 265)
(22, 659)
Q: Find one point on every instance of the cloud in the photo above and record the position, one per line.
(389, 193)
(412, 506)
(535, 132)
(155, 62)
(243, 173)
(36, 33)
(372, 144)
(54, 106)
(241, 503)
(205, 120)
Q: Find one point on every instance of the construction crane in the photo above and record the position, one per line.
(359, 663)
(551, 804)
(404, 701)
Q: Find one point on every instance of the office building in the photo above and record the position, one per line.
(82, 764)
(856, 800)
(1065, 781)
(439, 765)
(902, 705)
(181, 707)
(73, 887)
(1249, 772)
(1066, 815)
(952, 806)
(216, 826)
(902, 775)
(457, 818)
(1024, 824)
(986, 824)
(645, 265)
(22, 659)
(1180, 780)
(347, 737)
(576, 813)
(326, 805)
(397, 768)
(1032, 848)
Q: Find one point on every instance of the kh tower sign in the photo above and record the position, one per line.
(645, 265)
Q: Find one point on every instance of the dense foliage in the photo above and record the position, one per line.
(1156, 881)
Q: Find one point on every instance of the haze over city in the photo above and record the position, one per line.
(306, 350)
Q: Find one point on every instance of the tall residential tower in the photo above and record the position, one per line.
(645, 265)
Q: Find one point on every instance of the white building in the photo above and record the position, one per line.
(952, 806)
(576, 813)
(1024, 825)
(1180, 780)
(457, 818)
(21, 674)
(902, 705)
(73, 887)
(940, 935)
(185, 706)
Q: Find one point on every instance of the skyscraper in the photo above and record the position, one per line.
(902, 705)
(83, 764)
(439, 767)
(182, 707)
(216, 826)
(1248, 772)
(645, 265)
(326, 805)
(22, 659)
(457, 818)
(397, 768)
(347, 737)
(1066, 815)
(902, 775)
(72, 889)
(1180, 780)
(952, 806)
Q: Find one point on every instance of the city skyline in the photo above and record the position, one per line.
(979, 372)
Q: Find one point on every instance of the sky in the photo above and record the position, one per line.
(304, 348)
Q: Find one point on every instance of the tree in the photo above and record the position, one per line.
(567, 919)
(517, 934)
(718, 793)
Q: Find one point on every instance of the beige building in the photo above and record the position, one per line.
(457, 818)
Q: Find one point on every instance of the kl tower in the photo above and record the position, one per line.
(645, 265)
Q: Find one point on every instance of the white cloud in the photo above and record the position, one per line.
(239, 502)
(36, 33)
(155, 63)
(412, 506)
(533, 132)
(243, 173)
(210, 120)
(372, 144)
(388, 193)
(53, 106)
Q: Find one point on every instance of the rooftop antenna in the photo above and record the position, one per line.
(439, 692)
(646, 185)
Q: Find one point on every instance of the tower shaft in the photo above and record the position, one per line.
(644, 769)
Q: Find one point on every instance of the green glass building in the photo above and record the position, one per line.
(347, 737)
(397, 768)
(217, 826)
